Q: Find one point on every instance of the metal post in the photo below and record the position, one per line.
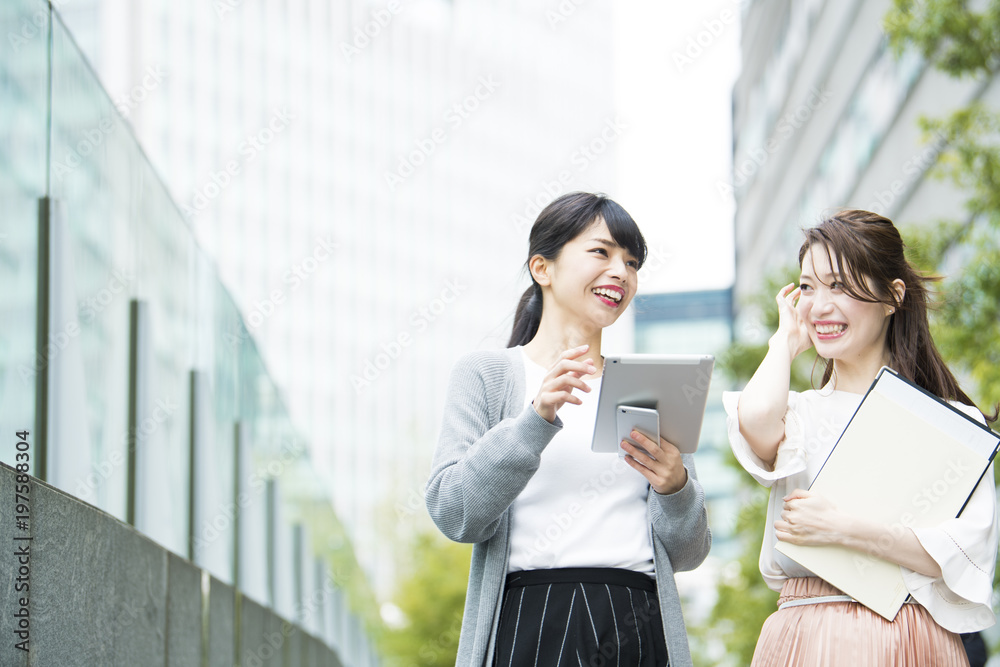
(42, 327)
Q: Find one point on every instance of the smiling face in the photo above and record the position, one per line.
(841, 327)
(592, 279)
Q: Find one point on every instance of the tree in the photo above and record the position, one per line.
(743, 600)
(963, 43)
(966, 320)
(431, 598)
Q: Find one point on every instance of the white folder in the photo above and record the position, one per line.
(906, 459)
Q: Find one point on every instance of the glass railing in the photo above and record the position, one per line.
(128, 362)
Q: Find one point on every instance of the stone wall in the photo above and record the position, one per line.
(101, 594)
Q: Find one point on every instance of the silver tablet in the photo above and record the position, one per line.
(675, 385)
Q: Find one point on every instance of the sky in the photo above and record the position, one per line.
(675, 68)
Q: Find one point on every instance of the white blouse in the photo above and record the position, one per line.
(580, 509)
(965, 548)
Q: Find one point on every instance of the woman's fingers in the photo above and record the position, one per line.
(566, 383)
(788, 295)
(661, 467)
(640, 453)
(796, 493)
(559, 383)
(643, 441)
(574, 353)
(565, 366)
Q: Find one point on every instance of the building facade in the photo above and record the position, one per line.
(364, 175)
(146, 446)
(825, 117)
(699, 323)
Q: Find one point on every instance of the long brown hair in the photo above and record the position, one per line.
(870, 254)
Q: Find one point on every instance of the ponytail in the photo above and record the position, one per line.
(527, 316)
(560, 222)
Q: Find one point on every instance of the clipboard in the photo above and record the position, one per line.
(907, 459)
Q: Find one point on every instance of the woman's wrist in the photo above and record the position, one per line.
(551, 420)
(780, 345)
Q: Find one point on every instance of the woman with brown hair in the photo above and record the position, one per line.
(862, 306)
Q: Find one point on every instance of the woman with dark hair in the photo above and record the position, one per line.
(574, 551)
(862, 306)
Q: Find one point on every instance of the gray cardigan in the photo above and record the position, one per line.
(489, 447)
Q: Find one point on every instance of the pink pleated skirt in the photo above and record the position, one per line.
(830, 634)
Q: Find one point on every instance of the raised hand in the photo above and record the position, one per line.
(559, 383)
(792, 328)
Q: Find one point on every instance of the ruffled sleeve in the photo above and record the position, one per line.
(966, 549)
(791, 458)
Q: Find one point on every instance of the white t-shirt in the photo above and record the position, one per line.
(965, 548)
(580, 509)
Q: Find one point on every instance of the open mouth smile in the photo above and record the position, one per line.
(829, 330)
(611, 296)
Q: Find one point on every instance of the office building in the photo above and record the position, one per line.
(699, 323)
(364, 175)
(824, 117)
(168, 504)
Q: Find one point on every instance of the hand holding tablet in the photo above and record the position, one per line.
(674, 387)
(643, 420)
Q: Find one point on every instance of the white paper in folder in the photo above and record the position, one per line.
(906, 459)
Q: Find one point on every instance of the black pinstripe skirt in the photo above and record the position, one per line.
(580, 617)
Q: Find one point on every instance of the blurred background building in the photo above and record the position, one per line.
(700, 323)
(820, 125)
(364, 176)
(281, 224)
(825, 116)
(321, 205)
(178, 512)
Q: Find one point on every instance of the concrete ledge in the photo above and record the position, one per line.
(184, 620)
(101, 593)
